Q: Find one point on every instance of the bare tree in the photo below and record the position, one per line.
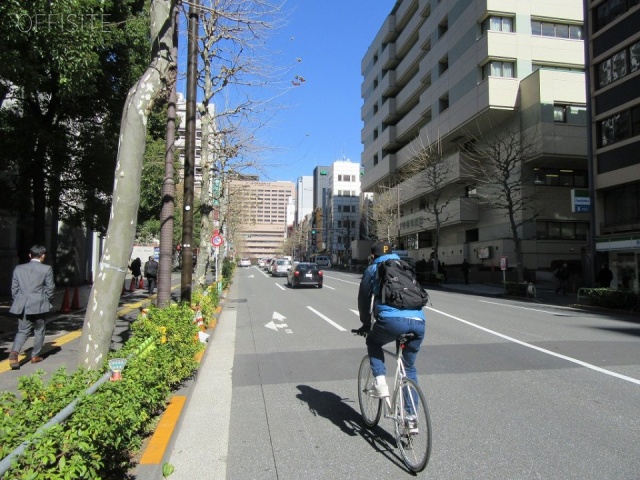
(495, 161)
(385, 214)
(233, 32)
(430, 171)
(100, 318)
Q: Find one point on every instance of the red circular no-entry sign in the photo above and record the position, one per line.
(217, 240)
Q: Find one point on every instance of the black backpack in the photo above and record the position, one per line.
(399, 287)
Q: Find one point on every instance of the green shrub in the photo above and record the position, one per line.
(609, 298)
(99, 439)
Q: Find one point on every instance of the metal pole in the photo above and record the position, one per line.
(189, 159)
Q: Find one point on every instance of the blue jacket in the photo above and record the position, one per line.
(370, 285)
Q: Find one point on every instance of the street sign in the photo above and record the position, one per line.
(217, 240)
(504, 263)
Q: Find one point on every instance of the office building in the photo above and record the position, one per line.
(614, 79)
(262, 212)
(445, 74)
(342, 215)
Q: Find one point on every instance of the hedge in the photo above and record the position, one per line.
(106, 430)
(609, 298)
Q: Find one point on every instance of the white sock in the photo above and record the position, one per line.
(381, 380)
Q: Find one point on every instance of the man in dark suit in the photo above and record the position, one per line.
(151, 272)
(32, 289)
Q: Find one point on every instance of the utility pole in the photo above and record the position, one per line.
(186, 278)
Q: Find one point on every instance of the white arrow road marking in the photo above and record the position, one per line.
(250, 276)
(275, 326)
(278, 316)
(327, 319)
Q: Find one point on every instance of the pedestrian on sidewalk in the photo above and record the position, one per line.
(136, 270)
(32, 288)
(151, 272)
(466, 268)
(605, 275)
(562, 274)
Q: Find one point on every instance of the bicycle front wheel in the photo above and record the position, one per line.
(370, 406)
(412, 425)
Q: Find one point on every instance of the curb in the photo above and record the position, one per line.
(157, 450)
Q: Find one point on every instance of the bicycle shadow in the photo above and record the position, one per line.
(337, 410)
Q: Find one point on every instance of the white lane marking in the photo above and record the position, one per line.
(279, 286)
(324, 285)
(327, 319)
(543, 350)
(528, 308)
(341, 280)
(355, 311)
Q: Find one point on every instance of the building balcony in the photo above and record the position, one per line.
(459, 210)
(388, 57)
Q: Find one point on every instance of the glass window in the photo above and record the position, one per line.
(554, 230)
(536, 27)
(619, 65)
(580, 179)
(634, 56)
(541, 230)
(621, 125)
(568, 230)
(575, 32)
(604, 73)
(562, 31)
(548, 29)
(602, 15)
(559, 113)
(606, 131)
(635, 121)
(581, 230)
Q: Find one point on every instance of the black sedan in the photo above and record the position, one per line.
(304, 273)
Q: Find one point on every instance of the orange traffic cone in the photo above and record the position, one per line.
(75, 303)
(141, 285)
(65, 302)
(132, 285)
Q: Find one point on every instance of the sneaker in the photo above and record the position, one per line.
(380, 388)
(412, 424)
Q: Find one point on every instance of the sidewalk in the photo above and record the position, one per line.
(544, 294)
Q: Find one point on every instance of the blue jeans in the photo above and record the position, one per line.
(386, 330)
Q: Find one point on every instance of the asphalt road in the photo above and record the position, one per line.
(515, 390)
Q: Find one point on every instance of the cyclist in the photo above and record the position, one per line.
(390, 322)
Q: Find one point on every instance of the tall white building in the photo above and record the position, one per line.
(443, 71)
(304, 198)
(342, 216)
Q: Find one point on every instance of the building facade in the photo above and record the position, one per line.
(263, 211)
(342, 215)
(304, 198)
(448, 73)
(614, 80)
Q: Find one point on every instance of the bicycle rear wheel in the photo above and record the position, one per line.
(412, 425)
(370, 407)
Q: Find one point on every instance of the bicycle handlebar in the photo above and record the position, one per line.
(357, 331)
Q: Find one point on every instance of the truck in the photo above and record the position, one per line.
(361, 249)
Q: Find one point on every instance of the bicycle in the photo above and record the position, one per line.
(406, 407)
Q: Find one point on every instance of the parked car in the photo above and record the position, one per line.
(280, 267)
(244, 262)
(322, 261)
(261, 262)
(270, 264)
(304, 273)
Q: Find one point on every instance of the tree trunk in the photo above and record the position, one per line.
(169, 187)
(100, 318)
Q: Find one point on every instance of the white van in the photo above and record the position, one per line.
(322, 261)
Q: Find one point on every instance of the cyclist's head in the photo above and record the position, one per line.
(381, 248)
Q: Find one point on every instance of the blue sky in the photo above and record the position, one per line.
(320, 121)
